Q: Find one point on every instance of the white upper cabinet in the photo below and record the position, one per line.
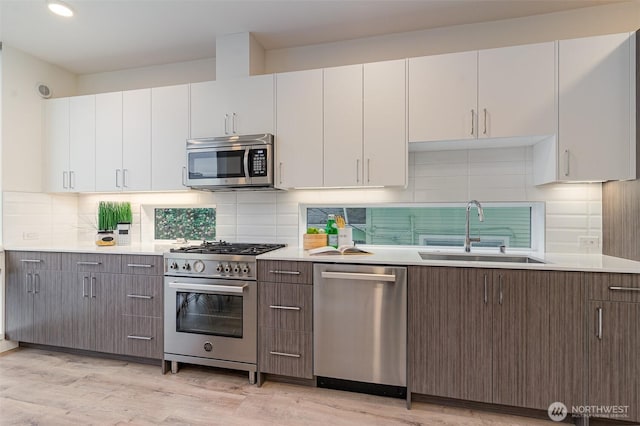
(493, 93)
(516, 91)
(597, 108)
(230, 107)
(56, 122)
(109, 142)
(443, 97)
(385, 134)
(343, 144)
(82, 143)
(298, 144)
(169, 132)
(70, 144)
(136, 140)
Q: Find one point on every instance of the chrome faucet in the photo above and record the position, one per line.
(467, 240)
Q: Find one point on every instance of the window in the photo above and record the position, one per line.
(188, 223)
(513, 225)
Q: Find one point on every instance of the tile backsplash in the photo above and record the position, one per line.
(488, 175)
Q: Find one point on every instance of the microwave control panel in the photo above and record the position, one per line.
(258, 162)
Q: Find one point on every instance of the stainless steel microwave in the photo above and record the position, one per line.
(230, 162)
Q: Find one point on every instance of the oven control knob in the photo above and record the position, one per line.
(198, 266)
(236, 268)
(219, 267)
(208, 346)
(186, 267)
(173, 265)
(227, 268)
(245, 269)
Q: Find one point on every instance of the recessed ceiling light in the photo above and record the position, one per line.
(60, 8)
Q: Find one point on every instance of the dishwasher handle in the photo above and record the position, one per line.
(358, 276)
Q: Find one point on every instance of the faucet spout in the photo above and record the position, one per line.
(467, 239)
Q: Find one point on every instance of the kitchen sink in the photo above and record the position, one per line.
(468, 257)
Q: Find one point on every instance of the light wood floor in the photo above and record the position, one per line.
(40, 387)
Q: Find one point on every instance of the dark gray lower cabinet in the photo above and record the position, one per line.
(499, 336)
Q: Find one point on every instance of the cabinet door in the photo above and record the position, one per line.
(136, 140)
(80, 300)
(169, 132)
(109, 142)
(614, 345)
(449, 329)
(49, 308)
(106, 310)
(516, 91)
(19, 302)
(56, 131)
(82, 143)
(207, 111)
(298, 142)
(594, 135)
(343, 126)
(251, 105)
(385, 136)
(443, 95)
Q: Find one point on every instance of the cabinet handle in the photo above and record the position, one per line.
(613, 288)
(117, 178)
(368, 170)
(500, 286)
(566, 162)
(72, 180)
(473, 127)
(184, 176)
(93, 287)
(358, 170)
(124, 178)
(27, 279)
(280, 172)
(139, 296)
(82, 262)
(84, 286)
(285, 354)
(485, 122)
(233, 121)
(599, 326)
(226, 120)
(64, 180)
(134, 337)
(285, 308)
(285, 272)
(36, 283)
(139, 265)
(486, 295)
(31, 260)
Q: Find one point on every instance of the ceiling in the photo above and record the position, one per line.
(108, 35)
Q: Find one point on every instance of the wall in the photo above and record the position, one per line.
(21, 116)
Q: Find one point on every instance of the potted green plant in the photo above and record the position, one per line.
(110, 214)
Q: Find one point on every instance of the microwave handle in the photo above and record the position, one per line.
(247, 172)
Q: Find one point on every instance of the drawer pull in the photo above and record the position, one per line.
(31, 260)
(139, 265)
(614, 288)
(139, 296)
(285, 354)
(89, 263)
(286, 308)
(139, 337)
(285, 272)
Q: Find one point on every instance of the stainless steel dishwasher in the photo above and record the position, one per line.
(360, 327)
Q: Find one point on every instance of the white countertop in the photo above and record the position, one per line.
(142, 249)
(410, 256)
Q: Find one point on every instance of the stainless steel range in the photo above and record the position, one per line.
(210, 305)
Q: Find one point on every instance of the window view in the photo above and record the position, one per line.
(435, 226)
(187, 223)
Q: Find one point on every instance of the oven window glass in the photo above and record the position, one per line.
(212, 314)
(216, 164)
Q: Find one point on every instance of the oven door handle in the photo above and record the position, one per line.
(208, 288)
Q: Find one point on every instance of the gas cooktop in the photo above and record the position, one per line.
(223, 247)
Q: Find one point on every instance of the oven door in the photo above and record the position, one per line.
(224, 166)
(211, 318)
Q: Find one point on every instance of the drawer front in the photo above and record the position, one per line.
(141, 336)
(90, 262)
(287, 353)
(285, 306)
(142, 295)
(142, 264)
(614, 287)
(282, 271)
(30, 260)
